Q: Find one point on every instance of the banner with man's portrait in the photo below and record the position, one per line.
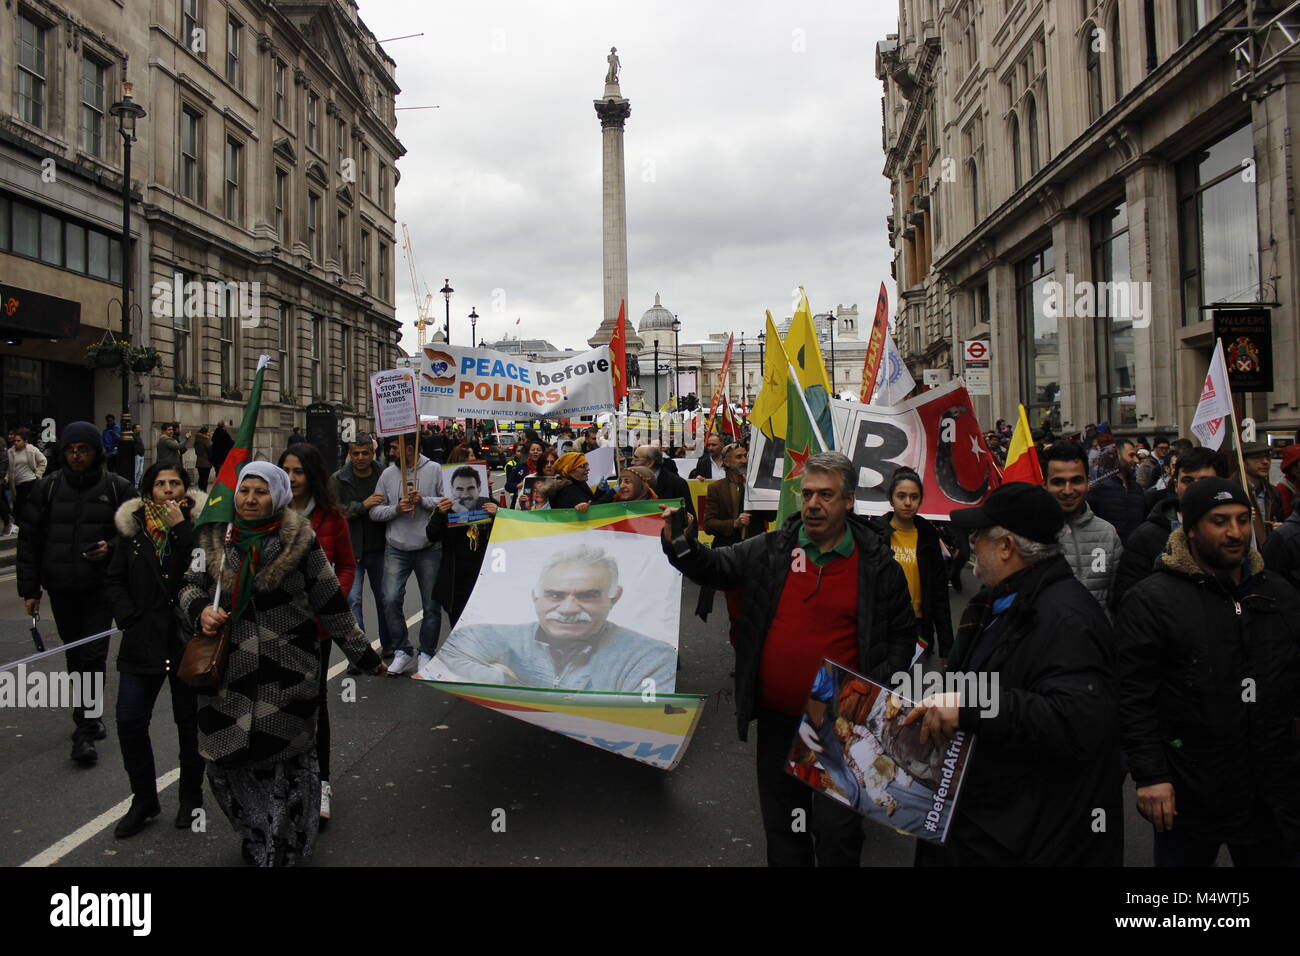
(573, 625)
(465, 483)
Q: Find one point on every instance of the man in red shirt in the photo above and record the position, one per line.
(820, 586)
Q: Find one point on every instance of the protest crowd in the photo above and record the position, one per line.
(1130, 587)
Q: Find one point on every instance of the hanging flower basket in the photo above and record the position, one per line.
(105, 354)
(143, 359)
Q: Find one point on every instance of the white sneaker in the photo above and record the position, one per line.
(402, 662)
(423, 661)
(325, 793)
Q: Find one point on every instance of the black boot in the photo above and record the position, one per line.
(191, 800)
(97, 728)
(83, 749)
(144, 807)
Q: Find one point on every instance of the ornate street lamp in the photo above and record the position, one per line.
(128, 112)
(446, 291)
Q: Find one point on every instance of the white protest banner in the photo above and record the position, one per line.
(460, 382)
(393, 393)
(601, 462)
(934, 433)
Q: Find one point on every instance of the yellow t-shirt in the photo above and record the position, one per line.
(904, 545)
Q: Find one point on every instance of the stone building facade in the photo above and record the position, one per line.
(265, 173)
(1083, 185)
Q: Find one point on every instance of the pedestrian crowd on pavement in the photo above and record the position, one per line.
(1123, 605)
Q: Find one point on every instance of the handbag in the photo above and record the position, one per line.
(204, 660)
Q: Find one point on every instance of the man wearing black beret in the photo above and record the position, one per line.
(1209, 665)
(1044, 785)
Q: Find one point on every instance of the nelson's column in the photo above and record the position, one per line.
(613, 111)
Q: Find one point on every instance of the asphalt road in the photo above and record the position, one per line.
(419, 778)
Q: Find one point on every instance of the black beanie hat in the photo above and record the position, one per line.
(1207, 494)
(83, 432)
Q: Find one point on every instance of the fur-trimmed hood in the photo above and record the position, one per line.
(1177, 557)
(291, 546)
(128, 521)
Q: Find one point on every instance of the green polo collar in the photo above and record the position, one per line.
(817, 556)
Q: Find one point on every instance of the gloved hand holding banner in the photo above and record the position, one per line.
(573, 625)
(460, 382)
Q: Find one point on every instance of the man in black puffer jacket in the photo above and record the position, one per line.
(821, 585)
(66, 537)
(1209, 664)
(1282, 549)
(1148, 542)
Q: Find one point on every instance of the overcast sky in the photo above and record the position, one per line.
(753, 159)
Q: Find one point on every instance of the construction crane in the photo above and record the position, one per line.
(423, 306)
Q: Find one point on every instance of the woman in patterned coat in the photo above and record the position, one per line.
(258, 731)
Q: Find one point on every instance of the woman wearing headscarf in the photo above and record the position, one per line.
(315, 500)
(144, 574)
(573, 469)
(636, 484)
(258, 731)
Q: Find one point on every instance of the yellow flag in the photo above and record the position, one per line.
(768, 413)
(805, 354)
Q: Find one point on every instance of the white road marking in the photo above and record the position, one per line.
(89, 831)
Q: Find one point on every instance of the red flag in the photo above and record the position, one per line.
(618, 356)
(720, 392)
(875, 345)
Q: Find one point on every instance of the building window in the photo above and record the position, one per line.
(31, 78)
(340, 140)
(280, 71)
(229, 371)
(1192, 15)
(382, 289)
(1116, 354)
(364, 259)
(1219, 235)
(1092, 62)
(341, 252)
(383, 187)
(281, 191)
(345, 362)
(92, 106)
(58, 241)
(234, 33)
(1016, 170)
(1116, 61)
(1031, 129)
(190, 35)
(234, 160)
(284, 319)
(182, 342)
(365, 170)
(1040, 342)
(313, 128)
(313, 226)
(974, 177)
(190, 154)
(318, 358)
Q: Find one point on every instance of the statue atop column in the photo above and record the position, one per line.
(611, 77)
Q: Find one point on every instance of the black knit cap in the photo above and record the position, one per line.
(1022, 508)
(1208, 493)
(83, 432)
